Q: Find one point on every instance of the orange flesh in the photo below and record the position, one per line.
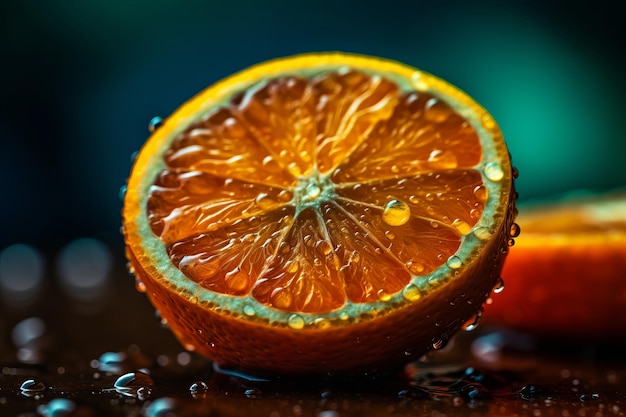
(281, 194)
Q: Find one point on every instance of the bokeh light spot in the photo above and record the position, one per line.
(84, 266)
(21, 273)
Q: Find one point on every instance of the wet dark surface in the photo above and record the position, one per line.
(100, 351)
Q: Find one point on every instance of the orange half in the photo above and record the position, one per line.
(565, 276)
(320, 213)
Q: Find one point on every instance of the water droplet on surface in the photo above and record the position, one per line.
(493, 171)
(295, 322)
(32, 386)
(198, 389)
(454, 262)
(133, 384)
(155, 123)
(531, 391)
(396, 213)
(252, 392)
(589, 397)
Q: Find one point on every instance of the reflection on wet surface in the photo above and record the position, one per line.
(77, 339)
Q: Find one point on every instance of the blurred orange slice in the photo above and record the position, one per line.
(320, 213)
(566, 276)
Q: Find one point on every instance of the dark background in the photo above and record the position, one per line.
(81, 79)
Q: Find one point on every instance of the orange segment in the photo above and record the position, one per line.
(565, 276)
(325, 191)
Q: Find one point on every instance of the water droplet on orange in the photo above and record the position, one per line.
(396, 213)
(462, 226)
(248, 310)
(439, 159)
(499, 287)
(411, 292)
(264, 201)
(454, 262)
(295, 321)
(493, 171)
(155, 123)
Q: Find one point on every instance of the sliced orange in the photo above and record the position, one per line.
(566, 276)
(320, 213)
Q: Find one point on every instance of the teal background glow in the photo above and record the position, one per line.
(81, 80)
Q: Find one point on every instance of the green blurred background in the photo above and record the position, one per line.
(81, 79)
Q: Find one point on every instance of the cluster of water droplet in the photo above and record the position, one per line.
(460, 386)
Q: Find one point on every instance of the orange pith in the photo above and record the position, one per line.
(311, 201)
